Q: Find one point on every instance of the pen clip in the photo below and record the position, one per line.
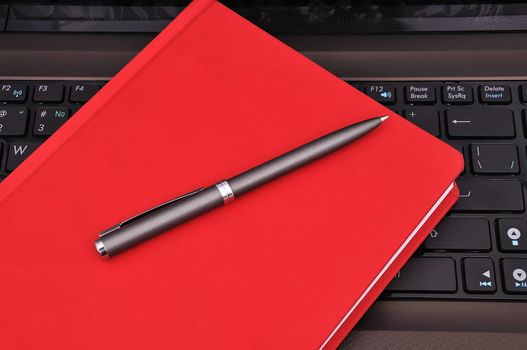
(127, 221)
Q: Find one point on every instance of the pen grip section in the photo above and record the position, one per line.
(300, 156)
(162, 219)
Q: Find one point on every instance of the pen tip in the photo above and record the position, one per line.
(384, 118)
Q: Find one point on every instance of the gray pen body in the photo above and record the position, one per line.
(153, 223)
(300, 156)
(174, 213)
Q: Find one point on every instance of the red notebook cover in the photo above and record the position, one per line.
(291, 265)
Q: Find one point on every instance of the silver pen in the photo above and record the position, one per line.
(177, 211)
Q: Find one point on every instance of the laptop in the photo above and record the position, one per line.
(455, 69)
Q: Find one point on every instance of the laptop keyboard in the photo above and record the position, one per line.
(478, 251)
(30, 111)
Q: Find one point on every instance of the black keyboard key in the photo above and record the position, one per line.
(420, 94)
(83, 92)
(525, 121)
(382, 93)
(489, 196)
(457, 94)
(490, 158)
(18, 152)
(495, 94)
(460, 234)
(426, 275)
(13, 92)
(523, 93)
(512, 235)
(479, 275)
(515, 275)
(480, 123)
(49, 119)
(13, 121)
(48, 93)
(426, 119)
(460, 149)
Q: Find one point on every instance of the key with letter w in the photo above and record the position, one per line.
(18, 152)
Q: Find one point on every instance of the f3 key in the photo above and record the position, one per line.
(48, 93)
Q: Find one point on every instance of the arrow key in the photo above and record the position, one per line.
(512, 235)
(515, 275)
(479, 275)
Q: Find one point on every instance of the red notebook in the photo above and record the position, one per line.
(291, 265)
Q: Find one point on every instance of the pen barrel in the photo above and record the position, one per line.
(300, 156)
(174, 213)
(160, 220)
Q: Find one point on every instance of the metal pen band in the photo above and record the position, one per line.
(225, 191)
